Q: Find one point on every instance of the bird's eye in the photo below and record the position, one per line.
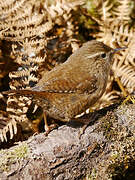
(103, 55)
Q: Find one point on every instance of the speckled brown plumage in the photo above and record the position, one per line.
(72, 87)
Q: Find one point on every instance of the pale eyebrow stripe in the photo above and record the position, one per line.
(93, 55)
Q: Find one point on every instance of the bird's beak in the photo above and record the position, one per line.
(113, 51)
(118, 49)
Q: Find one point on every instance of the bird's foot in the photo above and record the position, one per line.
(129, 98)
(49, 128)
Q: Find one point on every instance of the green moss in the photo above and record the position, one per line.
(84, 19)
(107, 126)
(118, 128)
(93, 175)
(119, 166)
(12, 156)
(90, 6)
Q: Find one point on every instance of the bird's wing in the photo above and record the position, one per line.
(88, 85)
(81, 85)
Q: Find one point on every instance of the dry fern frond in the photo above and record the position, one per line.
(22, 13)
(130, 57)
(17, 108)
(10, 127)
(31, 23)
(116, 29)
(115, 32)
(26, 25)
(124, 70)
(60, 7)
(107, 99)
(105, 35)
(122, 33)
(126, 73)
(22, 73)
(105, 11)
(27, 32)
(8, 7)
(123, 10)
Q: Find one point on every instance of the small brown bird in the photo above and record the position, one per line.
(72, 87)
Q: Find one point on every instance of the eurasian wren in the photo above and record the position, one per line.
(72, 87)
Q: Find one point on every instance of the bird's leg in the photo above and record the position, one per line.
(121, 87)
(48, 128)
(126, 95)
